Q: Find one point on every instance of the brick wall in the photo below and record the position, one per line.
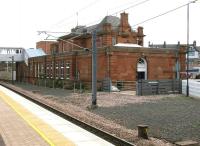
(120, 64)
(45, 45)
(116, 63)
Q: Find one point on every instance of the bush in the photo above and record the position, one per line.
(58, 83)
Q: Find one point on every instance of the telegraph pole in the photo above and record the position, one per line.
(94, 69)
(187, 86)
(188, 27)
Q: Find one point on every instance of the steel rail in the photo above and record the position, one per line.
(103, 134)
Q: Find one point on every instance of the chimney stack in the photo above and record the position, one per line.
(140, 31)
(124, 25)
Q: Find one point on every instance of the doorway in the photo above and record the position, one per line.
(142, 69)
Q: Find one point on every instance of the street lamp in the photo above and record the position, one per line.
(188, 27)
(187, 86)
(12, 69)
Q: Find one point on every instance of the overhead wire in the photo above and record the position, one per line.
(162, 14)
(122, 10)
(154, 17)
(126, 4)
(49, 35)
(92, 3)
(149, 19)
(67, 41)
(132, 6)
(75, 13)
(58, 38)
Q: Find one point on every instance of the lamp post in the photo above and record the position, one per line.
(188, 15)
(188, 35)
(12, 69)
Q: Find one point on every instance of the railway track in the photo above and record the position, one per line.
(105, 135)
(1, 141)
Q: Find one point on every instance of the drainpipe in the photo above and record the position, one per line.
(108, 69)
(177, 61)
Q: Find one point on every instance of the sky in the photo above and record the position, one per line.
(21, 19)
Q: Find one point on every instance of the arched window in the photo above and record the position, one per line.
(142, 69)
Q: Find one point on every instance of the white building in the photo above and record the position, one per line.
(9, 56)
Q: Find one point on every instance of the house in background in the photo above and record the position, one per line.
(194, 60)
(12, 57)
(8, 58)
(193, 55)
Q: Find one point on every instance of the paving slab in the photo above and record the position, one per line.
(15, 131)
(48, 124)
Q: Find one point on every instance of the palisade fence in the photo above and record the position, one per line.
(75, 85)
(154, 87)
(80, 86)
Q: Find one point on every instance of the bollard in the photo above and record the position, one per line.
(187, 143)
(142, 131)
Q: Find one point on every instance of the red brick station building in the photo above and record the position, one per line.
(121, 57)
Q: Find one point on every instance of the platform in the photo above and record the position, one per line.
(45, 126)
(14, 130)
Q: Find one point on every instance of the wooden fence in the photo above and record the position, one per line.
(154, 87)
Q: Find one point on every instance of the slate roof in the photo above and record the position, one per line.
(29, 53)
(34, 52)
(113, 20)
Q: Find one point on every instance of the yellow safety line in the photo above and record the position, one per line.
(36, 129)
(16, 107)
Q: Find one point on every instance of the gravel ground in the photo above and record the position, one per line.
(170, 117)
(173, 119)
